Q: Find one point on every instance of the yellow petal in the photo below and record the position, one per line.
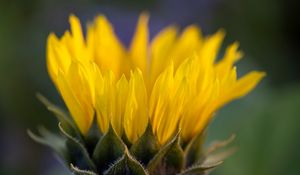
(223, 67)
(105, 100)
(169, 123)
(121, 97)
(77, 35)
(58, 56)
(159, 102)
(108, 50)
(136, 117)
(160, 50)
(139, 45)
(189, 42)
(242, 87)
(81, 111)
(211, 48)
(91, 41)
(52, 64)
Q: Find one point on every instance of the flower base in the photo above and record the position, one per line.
(97, 153)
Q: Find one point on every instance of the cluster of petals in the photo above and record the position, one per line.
(173, 81)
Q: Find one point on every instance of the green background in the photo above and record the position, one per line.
(266, 122)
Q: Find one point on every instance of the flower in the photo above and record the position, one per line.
(151, 101)
(173, 81)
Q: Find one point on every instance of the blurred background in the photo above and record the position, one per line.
(266, 121)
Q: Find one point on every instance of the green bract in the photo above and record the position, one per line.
(108, 154)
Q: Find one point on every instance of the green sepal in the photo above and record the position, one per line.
(92, 137)
(169, 159)
(78, 153)
(78, 171)
(207, 160)
(126, 165)
(109, 148)
(145, 147)
(126, 141)
(54, 141)
(219, 144)
(193, 152)
(200, 169)
(211, 155)
(220, 156)
(66, 122)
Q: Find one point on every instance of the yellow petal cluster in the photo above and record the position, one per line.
(173, 81)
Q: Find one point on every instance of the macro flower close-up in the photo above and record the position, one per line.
(173, 84)
(149, 87)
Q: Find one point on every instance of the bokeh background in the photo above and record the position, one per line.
(266, 121)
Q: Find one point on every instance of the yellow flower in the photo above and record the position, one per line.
(173, 81)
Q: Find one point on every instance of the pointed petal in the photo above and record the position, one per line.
(57, 56)
(139, 44)
(136, 116)
(108, 50)
(105, 100)
(121, 97)
(81, 115)
(77, 35)
(242, 87)
(160, 50)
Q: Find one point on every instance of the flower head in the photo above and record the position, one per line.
(173, 81)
